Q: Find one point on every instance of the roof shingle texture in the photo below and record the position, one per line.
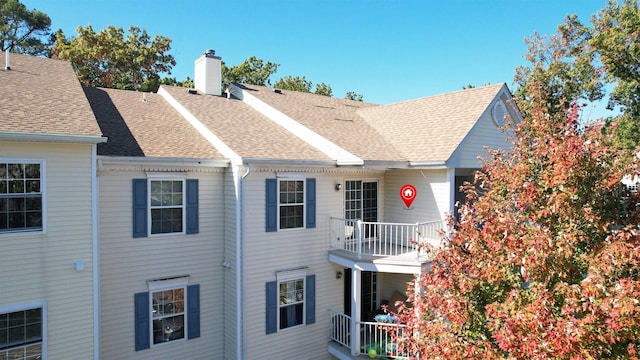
(431, 128)
(43, 96)
(336, 120)
(247, 132)
(144, 124)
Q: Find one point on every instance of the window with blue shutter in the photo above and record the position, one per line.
(163, 200)
(142, 324)
(139, 208)
(271, 190)
(290, 204)
(193, 311)
(290, 302)
(192, 207)
(166, 313)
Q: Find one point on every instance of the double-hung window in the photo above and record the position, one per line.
(168, 311)
(21, 334)
(21, 186)
(290, 204)
(291, 304)
(165, 204)
(290, 301)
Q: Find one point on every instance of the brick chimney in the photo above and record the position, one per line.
(208, 73)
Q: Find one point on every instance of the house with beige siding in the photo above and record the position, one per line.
(257, 223)
(48, 213)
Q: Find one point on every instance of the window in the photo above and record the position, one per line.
(20, 196)
(21, 335)
(291, 303)
(168, 311)
(169, 206)
(290, 204)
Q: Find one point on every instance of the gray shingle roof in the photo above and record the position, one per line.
(334, 119)
(144, 124)
(43, 96)
(247, 132)
(431, 128)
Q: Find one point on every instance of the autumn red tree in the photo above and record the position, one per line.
(544, 260)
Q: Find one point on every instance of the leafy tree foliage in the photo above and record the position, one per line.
(352, 95)
(323, 89)
(251, 71)
(297, 83)
(544, 260)
(22, 30)
(110, 59)
(301, 84)
(580, 61)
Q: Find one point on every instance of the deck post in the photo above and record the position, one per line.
(356, 281)
(359, 237)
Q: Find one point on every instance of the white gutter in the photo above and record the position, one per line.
(226, 151)
(82, 139)
(342, 156)
(240, 291)
(96, 252)
(428, 164)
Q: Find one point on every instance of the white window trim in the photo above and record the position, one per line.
(43, 192)
(304, 202)
(288, 275)
(153, 176)
(29, 306)
(169, 284)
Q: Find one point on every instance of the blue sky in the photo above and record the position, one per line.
(389, 51)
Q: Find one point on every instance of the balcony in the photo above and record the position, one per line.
(399, 241)
(375, 340)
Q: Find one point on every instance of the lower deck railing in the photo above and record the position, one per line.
(375, 339)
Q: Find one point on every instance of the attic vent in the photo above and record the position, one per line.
(277, 91)
(351, 120)
(192, 91)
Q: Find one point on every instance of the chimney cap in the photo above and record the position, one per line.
(210, 53)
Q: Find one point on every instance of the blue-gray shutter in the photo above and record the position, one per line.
(311, 203)
(271, 190)
(142, 326)
(272, 307)
(310, 302)
(192, 207)
(139, 208)
(193, 311)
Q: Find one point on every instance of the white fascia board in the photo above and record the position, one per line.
(225, 150)
(65, 138)
(342, 156)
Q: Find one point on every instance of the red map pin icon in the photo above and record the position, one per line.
(408, 194)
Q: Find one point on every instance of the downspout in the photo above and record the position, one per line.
(241, 304)
(95, 253)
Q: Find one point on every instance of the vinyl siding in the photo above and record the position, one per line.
(40, 266)
(432, 199)
(269, 252)
(127, 264)
(484, 135)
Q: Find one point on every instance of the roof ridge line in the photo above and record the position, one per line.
(342, 156)
(218, 144)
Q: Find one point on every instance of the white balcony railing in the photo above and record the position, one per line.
(384, 239)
